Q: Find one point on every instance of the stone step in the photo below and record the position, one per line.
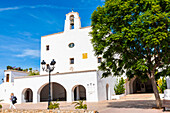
(44, 111)
(138, 96)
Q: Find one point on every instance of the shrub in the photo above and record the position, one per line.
(34, 73)
(80, 105)
(30, 69)
(119, 88)
(161, 85)
(9, 67)
(0, 106)
(54, 105)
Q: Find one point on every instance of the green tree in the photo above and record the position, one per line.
(133, 38)
(119, 88)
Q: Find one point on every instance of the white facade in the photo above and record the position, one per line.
(7, 87)
(69, 81)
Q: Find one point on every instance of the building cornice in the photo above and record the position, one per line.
(72, 13)
(85, 27)
(53, 34)
(55, 74)
(63, 32)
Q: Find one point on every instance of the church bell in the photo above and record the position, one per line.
(72, 20)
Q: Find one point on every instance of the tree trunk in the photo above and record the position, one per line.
(156, 93)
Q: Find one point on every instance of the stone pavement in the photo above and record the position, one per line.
(135, 103)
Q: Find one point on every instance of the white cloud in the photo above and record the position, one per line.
(29, 52)
(28, 34)
(32, 7)
(38, 6)
(9, 8)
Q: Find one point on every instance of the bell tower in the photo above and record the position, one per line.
(72, 21)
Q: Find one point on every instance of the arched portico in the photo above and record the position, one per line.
(58, 92)
(78, 93)
(137, 86)
(27, 95)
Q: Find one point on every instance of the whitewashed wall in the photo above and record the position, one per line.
(7, 88)
(13, 73)
(102, 82)
(59, 50)
(5, 91)
(68, 81)
(168, 82)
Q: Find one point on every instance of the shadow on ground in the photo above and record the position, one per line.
(144, 104)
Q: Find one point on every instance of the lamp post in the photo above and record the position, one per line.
(48, 68)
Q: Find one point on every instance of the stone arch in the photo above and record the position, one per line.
(137, 86)
(27, 95)
(58, 92)
(78, 93)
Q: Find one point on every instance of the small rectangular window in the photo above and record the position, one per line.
(99, 60)
(47, 47)
(71, 60)
(7, 78)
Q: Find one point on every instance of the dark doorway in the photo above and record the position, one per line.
(28, 95)
(79, 93)
(58, 92)
(142, 87)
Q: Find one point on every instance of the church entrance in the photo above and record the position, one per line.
(107, 91)
(28, 95)
(58, 92)
(142, 87)
(79, 93)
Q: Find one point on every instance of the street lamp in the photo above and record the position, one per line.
(48, 68)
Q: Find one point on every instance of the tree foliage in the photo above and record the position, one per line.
(133, 38)
(119, 88)
(135, 30)
(161, 85)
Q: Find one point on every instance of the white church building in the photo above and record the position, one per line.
(75, 77)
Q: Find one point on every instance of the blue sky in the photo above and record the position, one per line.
(23, 22)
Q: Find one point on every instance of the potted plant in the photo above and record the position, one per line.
(80, 105)
(0, 105)
(54, 105)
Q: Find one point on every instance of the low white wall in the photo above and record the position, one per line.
(168, 82)
(68, 81)
(5, 91)
(102, 82)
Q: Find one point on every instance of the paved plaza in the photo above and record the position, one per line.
(135, 103)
